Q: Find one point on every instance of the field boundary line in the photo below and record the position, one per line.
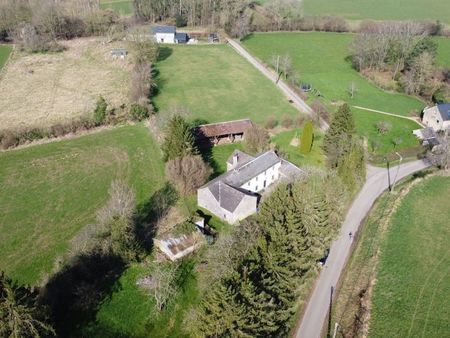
(389, 114)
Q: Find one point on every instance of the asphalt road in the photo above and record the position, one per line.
(296, 100)
(317, 308)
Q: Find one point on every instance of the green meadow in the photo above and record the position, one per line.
(412, 293)
(49, 192)
(431, 10)
(124, 7)
(216, 84)
(321, 59)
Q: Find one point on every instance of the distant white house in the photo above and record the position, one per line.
(168, 34)
(233, 196)
(437, 117)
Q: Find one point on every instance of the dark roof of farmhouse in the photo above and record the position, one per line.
(224, 128)
(164, 29)
(227, 196)
(444, 110)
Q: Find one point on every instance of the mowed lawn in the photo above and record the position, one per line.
(381, 144)
(321, 59)
(5, 50)
(216, 84)
(124, 7)
(49, 192)
(412, 291)
(381, 9)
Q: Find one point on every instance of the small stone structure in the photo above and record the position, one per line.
(223, 132)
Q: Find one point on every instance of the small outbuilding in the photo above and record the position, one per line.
(176, 247)
(119, 53)
(223, 132)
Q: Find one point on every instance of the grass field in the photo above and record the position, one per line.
(321, 60)
(37, 90)
(412, 292)
(49, 192)
(5, 50)
(381, 9)
(366, 125)
(443, 57)
(124, 7)
(216, 84)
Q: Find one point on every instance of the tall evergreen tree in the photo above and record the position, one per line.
(179, 140)
(306, 139)
(336, 143)
(20, 314)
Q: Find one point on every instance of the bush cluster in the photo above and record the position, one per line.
(102, 116)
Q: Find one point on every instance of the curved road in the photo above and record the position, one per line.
(297, 101)
(317, 308)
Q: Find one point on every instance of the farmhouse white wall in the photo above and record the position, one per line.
(432, 118)
(165, 37)
(246, 208)
(269, 176)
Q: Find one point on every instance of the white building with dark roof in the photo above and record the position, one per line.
(437, 117)
(168, 34)
(234, 195)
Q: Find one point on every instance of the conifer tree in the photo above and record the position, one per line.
(179, 140)
(352, 167)
(20, 313)
(338, 138)
(306, 139)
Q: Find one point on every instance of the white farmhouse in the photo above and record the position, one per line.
(234, 196)
(168, 34)
(437, 117)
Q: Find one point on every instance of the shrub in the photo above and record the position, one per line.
(271, 123)
(383, 127)
(287, 122)
(138, 112)
(306, 139)
(8, 140)
(188, 173)
(57, 130)
(100, 111)
(299, 120)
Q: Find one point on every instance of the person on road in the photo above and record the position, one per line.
(350, 235)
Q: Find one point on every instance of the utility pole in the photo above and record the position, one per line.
(398, 168)
(388, 173)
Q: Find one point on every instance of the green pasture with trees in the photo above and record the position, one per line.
(443, 55)
(51, 191)
(216, 84)
(431, 10)
(322, 60)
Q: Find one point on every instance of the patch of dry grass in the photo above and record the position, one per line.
(39, 90)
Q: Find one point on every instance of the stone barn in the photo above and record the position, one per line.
(223, 132)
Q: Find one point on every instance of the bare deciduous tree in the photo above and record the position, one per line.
(440, 155)
(188, 173)
(162, 284)
(256, 140)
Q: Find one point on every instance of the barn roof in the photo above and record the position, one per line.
(164, 29)
(224, 128)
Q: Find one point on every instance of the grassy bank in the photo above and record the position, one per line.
(396, 275)
(49, 192)
(124, 7)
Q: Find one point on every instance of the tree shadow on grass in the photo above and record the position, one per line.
(74, 294)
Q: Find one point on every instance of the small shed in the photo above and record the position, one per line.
(223, 132)
(177, 247)
(119, 53)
